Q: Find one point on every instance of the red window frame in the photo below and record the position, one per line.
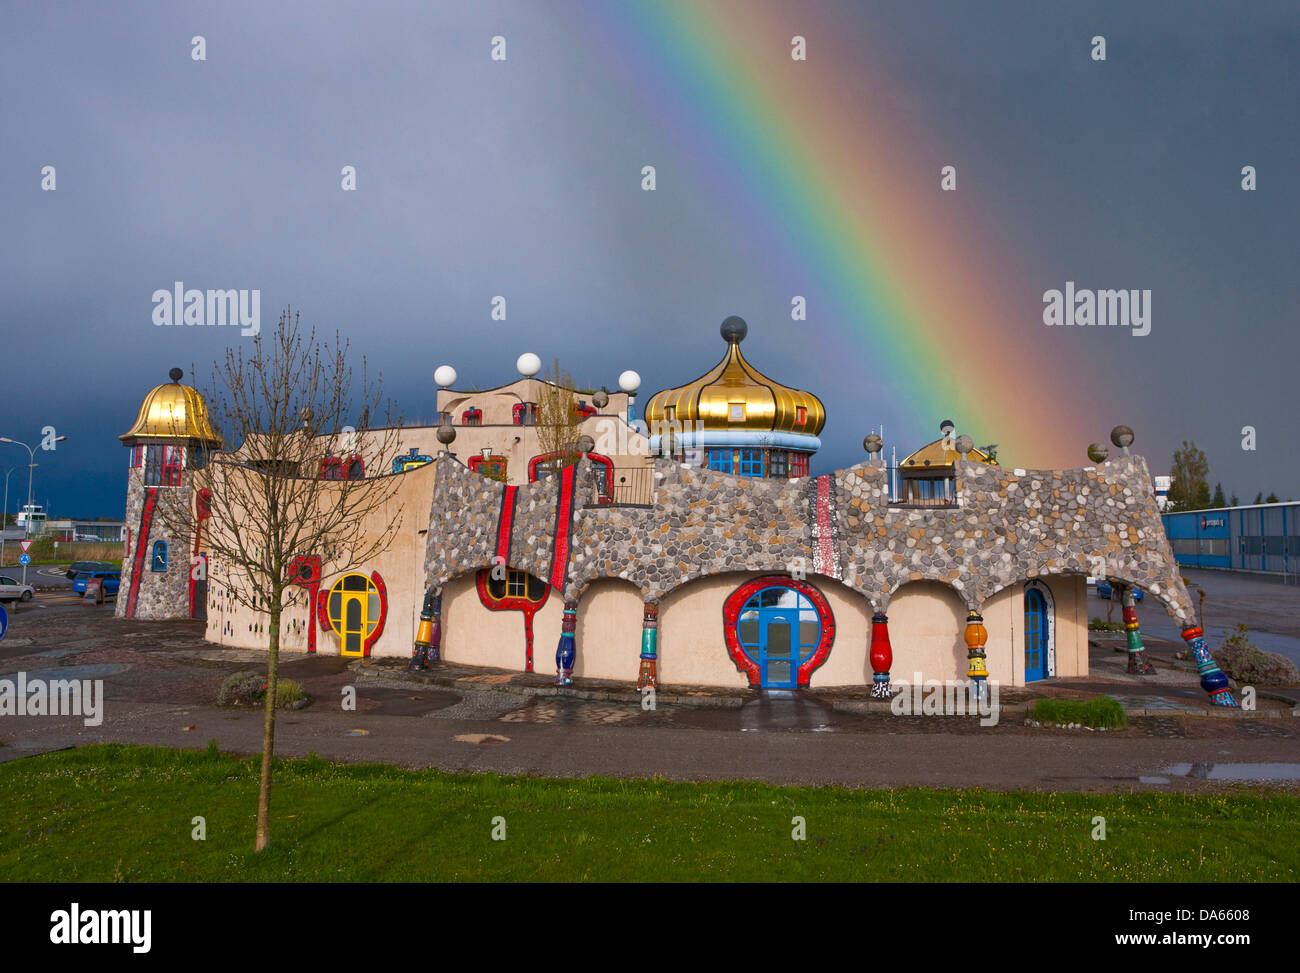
(471, 417)
(606, 496)
(173, 463)
(798, 465)
(337, 468)
(493, 467)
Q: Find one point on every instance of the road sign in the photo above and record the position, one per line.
(25, 560)
(24, 545)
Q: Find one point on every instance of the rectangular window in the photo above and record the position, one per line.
(737, 413)
(780, 465)
(720, 460)
(163, 464)
(800, 415)
(934, 491)
(173, 461)
(798, 465)
(516, 584)
(751, 462)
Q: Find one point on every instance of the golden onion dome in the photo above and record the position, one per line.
(735, 395)
(174, 412)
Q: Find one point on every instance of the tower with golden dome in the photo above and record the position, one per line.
(165, 576)
(736, 419)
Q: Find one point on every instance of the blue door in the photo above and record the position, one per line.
(778, 648)
(1035, 635)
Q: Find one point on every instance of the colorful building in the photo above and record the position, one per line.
(693, 548)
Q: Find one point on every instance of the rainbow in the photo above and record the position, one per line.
(833, 180)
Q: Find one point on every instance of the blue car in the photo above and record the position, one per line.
(1103, 591)
(112, 581)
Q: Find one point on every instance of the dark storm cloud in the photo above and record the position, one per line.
(476, 181)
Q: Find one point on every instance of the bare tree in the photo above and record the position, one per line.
(558, 417)
(290, 485)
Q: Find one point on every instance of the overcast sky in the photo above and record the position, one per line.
(478, 178)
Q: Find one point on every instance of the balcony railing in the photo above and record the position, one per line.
(633, 486)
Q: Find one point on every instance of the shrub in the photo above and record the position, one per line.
(249, 689)
(1095, 712)
(1251, 665)
(1101, 625)
(288, 692)
(242, 689)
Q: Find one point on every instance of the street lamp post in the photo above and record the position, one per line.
(4, 515)
(31, 468)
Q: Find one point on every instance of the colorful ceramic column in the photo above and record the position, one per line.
(882, 657)
(976, 636)
(564, 652)
(1137, 656)
(649, 677)
(429, 635)
(1213, 681)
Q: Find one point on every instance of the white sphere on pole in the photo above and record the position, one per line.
(445, 376)
(629, 382)
(528, 364)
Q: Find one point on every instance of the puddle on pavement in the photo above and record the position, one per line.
(486, 739)
(566, 712)
(1231, 772)
(69, 672)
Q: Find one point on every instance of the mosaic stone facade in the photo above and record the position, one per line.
(1007, 527)
(162, 594)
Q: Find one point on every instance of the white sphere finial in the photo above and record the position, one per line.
(528, 364)
(445, 376)
(629, 382)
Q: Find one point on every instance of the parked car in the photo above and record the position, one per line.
(1104, 591)
(11, 589)
(112, 580)
(78, 567)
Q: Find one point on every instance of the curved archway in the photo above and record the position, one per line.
(927, 622)
(608, 630)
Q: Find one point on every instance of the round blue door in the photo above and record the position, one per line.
(779, 629)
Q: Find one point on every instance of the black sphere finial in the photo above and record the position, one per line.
(176, 374)
(734, 330)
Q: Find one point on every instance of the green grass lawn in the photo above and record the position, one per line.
(108, 813)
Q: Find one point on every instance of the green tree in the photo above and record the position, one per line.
(1259, 497)
(1218, 500)
(1189, 487)
(1271, 498)
(1233, 501)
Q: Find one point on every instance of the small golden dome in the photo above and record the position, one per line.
(173, 411)
(735, 395)
(941, 453)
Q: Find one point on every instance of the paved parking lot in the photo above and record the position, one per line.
(160, 680)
